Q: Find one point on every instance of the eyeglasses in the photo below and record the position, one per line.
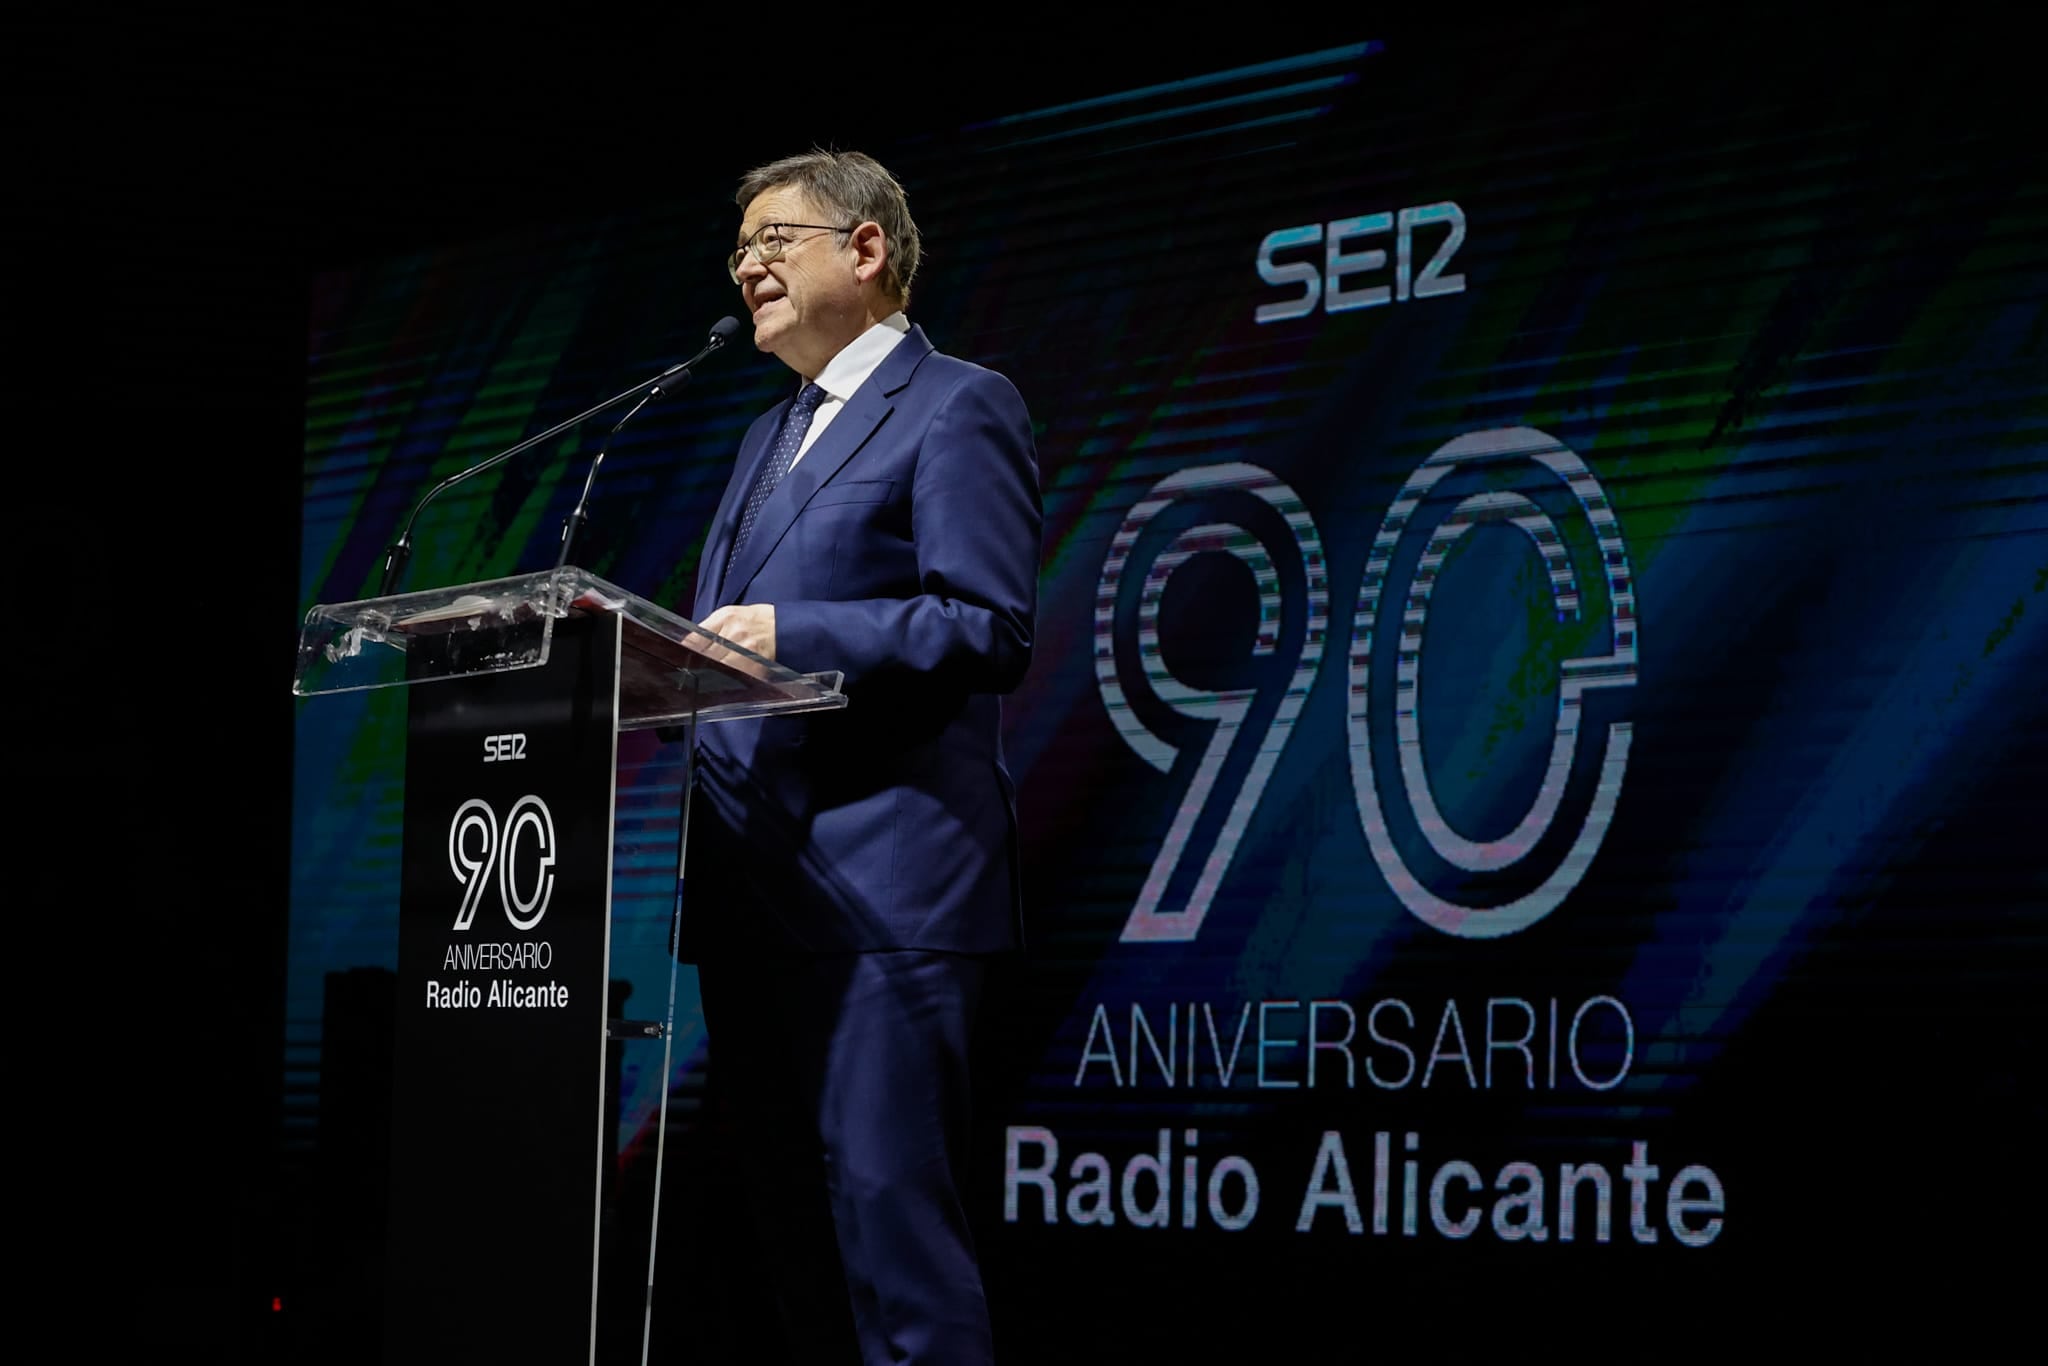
(768, 243)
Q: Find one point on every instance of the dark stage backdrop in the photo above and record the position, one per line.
(1531, 772)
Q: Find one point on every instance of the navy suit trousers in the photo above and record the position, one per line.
(845, 1078)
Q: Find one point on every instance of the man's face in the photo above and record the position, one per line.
(807, 303)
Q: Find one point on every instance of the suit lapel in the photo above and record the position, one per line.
(725, 523)
(851, 429)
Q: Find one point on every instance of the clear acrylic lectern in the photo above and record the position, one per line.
(518, 690)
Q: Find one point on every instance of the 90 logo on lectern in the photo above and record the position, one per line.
(1252, 725)
(477, 846)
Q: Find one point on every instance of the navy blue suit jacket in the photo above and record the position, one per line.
(903, 551)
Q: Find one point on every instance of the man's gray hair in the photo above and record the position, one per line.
(856, 188)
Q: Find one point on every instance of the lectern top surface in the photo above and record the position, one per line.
(671, 669)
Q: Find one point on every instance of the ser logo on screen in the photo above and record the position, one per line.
(1324, 277)
(1227, 731)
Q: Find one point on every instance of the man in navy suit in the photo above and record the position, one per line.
(851, 873)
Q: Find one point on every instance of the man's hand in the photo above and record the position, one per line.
(750, 625)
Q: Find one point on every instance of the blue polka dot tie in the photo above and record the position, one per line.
(795, 425)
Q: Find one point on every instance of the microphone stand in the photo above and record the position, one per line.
(401, 550)
(575, 520)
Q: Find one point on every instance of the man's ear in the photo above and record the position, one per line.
(871, 252)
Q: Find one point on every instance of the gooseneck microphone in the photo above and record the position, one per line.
(666, 382)
(721, 333)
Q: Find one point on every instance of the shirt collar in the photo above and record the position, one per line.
(846, 372)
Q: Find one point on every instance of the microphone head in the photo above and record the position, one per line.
(722, 331)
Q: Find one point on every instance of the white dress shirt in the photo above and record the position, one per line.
(846, 372)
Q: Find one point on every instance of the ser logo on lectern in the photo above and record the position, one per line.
(499, 749)
(1518, 479)
(520, 853)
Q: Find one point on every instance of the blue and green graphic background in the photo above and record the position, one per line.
(1796, 330)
